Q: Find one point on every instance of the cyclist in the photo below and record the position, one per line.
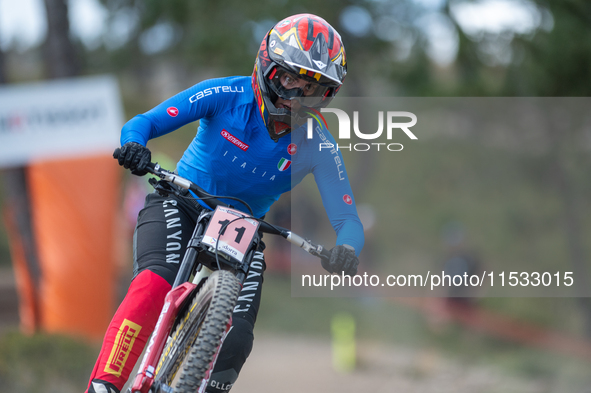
(250, 131)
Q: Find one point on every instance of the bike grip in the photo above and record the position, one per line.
(151, 167)
(272, 229)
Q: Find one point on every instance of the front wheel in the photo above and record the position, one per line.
(190, 353)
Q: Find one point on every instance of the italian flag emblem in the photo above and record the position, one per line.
(284, 163)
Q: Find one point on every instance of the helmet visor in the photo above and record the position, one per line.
(288, 86)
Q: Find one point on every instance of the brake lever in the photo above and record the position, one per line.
(161, 187)
(320, 252)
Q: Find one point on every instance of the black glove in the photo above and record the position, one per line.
(342, 259)
(133, 156)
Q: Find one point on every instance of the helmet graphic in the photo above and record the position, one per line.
(300, 47)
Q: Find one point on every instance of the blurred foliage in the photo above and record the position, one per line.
(504, 200)
(201, 35)
(221, 38)
(44, 363)
(556, 62)
(199, 38)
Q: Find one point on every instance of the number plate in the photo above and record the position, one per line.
(237, 236)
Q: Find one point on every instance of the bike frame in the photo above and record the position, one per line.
(182, 289)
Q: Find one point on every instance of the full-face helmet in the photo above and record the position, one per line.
(300, 47)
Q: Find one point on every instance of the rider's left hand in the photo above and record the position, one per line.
(342, 259)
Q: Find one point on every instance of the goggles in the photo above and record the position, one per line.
(288, 86)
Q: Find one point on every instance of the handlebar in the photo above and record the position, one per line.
(212, 201)
(171, 177)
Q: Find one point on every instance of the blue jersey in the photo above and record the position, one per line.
(233, 154)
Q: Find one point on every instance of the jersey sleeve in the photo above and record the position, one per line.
(337, 197)
(197, 102)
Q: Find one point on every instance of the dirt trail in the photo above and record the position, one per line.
(299, 364)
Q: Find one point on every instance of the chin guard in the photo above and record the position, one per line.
(284, 123)
(281, 129)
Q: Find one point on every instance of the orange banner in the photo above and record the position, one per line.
(74, 205)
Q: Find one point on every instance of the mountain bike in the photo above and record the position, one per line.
(197, 311)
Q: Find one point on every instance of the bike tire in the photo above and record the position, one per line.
(194, 344)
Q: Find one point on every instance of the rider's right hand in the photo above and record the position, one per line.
(133, 156)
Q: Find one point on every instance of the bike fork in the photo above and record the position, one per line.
(172, 304)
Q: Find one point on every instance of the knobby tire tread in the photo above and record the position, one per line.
(191, 357)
